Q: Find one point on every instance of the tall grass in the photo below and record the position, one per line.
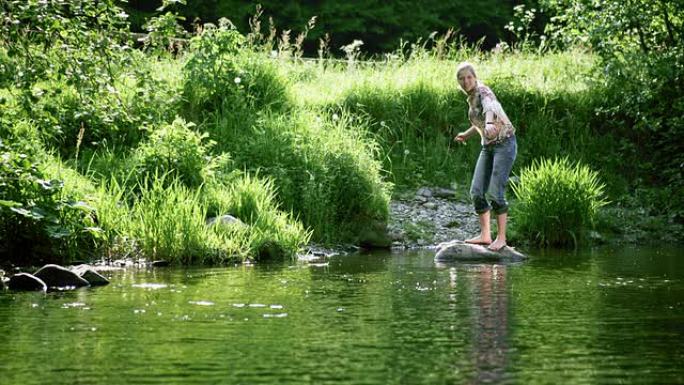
(414, 108)
(165, 219)
(324, 169)
(558, 201)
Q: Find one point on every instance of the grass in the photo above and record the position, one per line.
(558, 201)
(315, 149)
(414, 108)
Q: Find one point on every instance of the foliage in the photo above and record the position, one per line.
(221, 75)
(558, 201)
(642, 64)
(44, 216)
(380, 25)
(273, 233)
(175, 149)
(165, 219)
(164, 29)
(324, 169)
(70, 62)
(615, 27)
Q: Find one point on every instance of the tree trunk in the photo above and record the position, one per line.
(668, 24)
(642, 39)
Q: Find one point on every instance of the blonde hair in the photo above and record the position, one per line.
(465, 66)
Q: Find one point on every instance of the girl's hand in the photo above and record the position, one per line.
(490, 131)
(461, 137)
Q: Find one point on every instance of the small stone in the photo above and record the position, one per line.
(26, 282)
(425, 192)
(430, 205)
(396, 235)
(441, 192)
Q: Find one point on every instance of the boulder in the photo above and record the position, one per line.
(457, 250)
(26, 282)
(58, 276)
(89, 274)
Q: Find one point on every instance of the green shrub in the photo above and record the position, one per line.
(165, 219)
(273, 234)
(176, 150)
(325, 169)
(557, 202)
(221, 75)
(45, 212)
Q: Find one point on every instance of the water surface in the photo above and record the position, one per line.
(599, 316)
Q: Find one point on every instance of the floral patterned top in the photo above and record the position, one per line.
(481, 100)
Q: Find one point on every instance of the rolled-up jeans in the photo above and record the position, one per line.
(491, 176)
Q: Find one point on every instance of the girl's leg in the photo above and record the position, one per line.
(504, 156)
(478, 188)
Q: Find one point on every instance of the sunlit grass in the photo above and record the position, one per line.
(557, 202)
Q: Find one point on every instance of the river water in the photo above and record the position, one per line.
(596, 316)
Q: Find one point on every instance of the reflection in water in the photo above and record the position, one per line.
(489, 319)
(490, 323)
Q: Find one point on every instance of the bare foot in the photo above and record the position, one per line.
(497, 245)
(479, 240)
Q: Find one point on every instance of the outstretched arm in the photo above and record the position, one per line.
(463, 136)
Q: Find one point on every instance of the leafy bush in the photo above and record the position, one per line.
(44, 214)
(648, 120)
(221, 75)
(177, 150)
(557, 202)
(325, 170)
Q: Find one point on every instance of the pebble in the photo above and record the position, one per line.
(439, 212)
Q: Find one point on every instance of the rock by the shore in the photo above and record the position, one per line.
(26, 282)
(224, 220)
(430, 216)
(89, 274)
(457, 250)
(56, 276)
(160, 263)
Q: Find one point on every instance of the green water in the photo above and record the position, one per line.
(601, 316)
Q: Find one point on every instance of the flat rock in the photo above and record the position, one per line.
(458, 250)
(26, 282)
(56, 276)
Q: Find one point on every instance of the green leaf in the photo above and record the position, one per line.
(58, 232)
(82, 206)
(9, 203)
